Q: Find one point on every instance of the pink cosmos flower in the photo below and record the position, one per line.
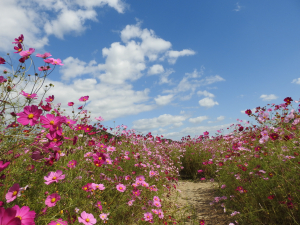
(8, 217)
(160, 214)
(98, 186)
(148, 216)
(121, 187)
(87, 218)
(157, 204)
(54, 177)
(44, 56)
(103, 216)
(84, 98)
(156, 198)
(99, 205)
(51, 122)
(52, 199)
(3, 166)
(50, 99)
(56, 62)
(27, 95)
(70, 103)
(58, 222)
(140, 178)
(145, 184)
(12, 193)
(50, 60)
(72, 163)
(25, 215)
(27, 52)
(130, 203)
(30, 115)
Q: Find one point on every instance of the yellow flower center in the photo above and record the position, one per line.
(30, 116)
(121, 188)
(100, 158)
(87, 220)
(53, 200)
(28, 95)
(55, 139)
(15, 193)
(51, 122)
(20, 49)
(53, 178)
(59, 151)
(55, 62)
(19, 217)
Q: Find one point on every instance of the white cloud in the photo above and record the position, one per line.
(205, 93)
(173, 55)
(198, 119)
(34, 17)
(238, 7)
(268, 97)
(297, 81)
(156, 69)
(161, 121)
(163, 100)
(207, 102)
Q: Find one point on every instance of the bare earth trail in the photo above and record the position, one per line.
(194, 198)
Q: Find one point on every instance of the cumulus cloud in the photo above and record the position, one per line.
(207, 102)
(198, 119)
(156, 69)
(163, 100)
(161, 121)
(32, 18)
(268, 97)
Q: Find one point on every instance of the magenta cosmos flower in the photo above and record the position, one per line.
(52, 199)
(25, 215)
(54, 177)
(8, 217)
(19, 40)
(72, 163)
(84, 98)
(30, 115)
(87, 218)
(51, 122)
(121, 187)
(3, 166)
(12, 193)
(58, 222)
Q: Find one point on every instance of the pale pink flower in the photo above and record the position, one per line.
(103, 216)
(121, 187)
(12, 193)
(98, 186)
(87, 218)
(54, 177)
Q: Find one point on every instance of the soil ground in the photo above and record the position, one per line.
(193, 200)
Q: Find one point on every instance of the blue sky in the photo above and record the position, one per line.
(172, 68)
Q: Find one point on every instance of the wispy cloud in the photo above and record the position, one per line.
(238, 7)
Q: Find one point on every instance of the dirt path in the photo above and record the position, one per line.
(194, 200)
